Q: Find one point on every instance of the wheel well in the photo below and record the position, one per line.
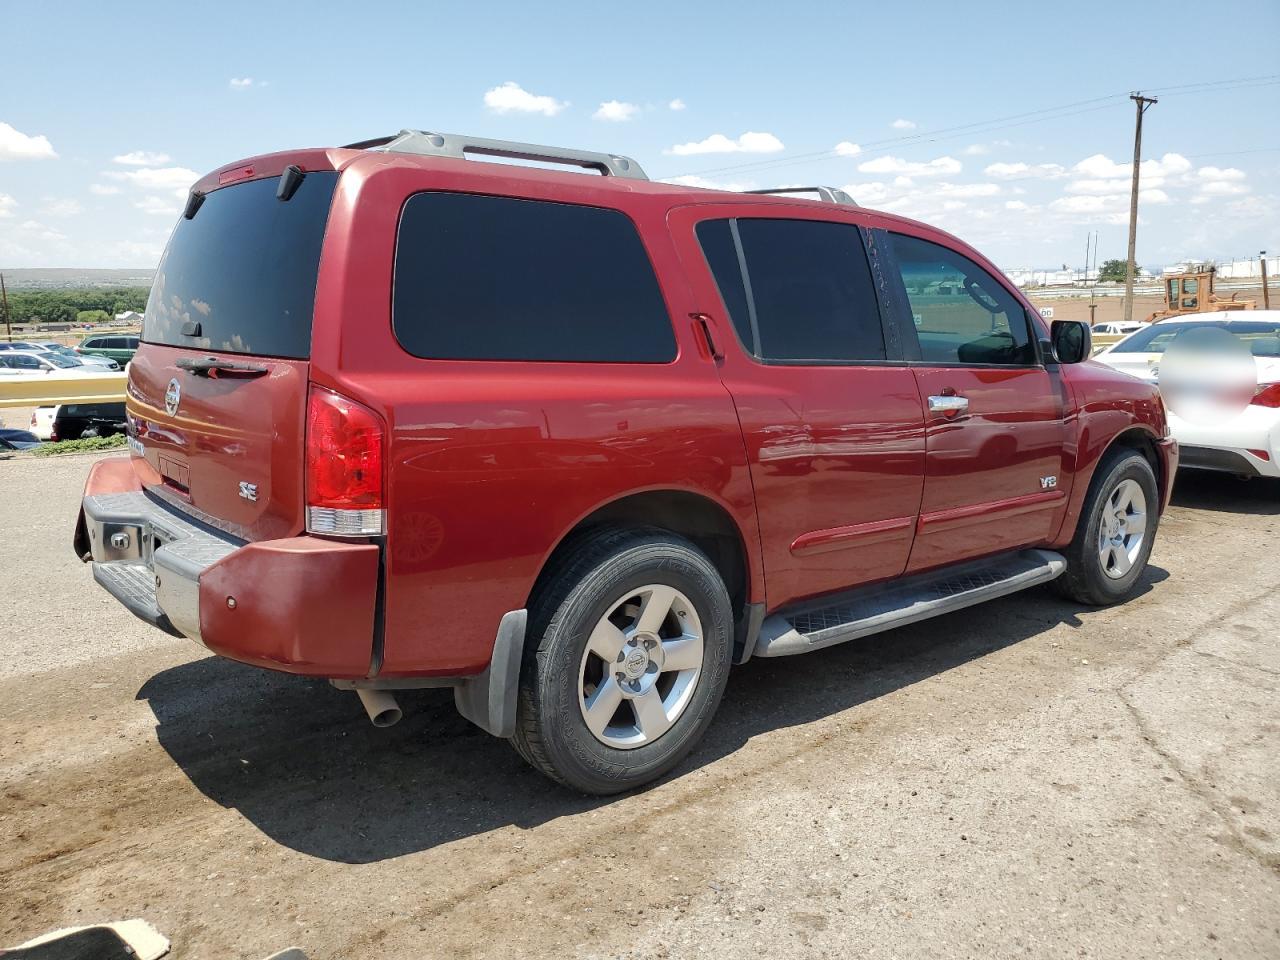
(1138, 439)
(696, 518)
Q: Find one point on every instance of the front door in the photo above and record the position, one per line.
(829, 411)
(995, 433)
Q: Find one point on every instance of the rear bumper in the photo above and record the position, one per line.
(301, 605)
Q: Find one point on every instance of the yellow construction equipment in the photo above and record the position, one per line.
(1192, 292)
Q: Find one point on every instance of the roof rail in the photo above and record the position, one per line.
(825, 194)
(458, 146)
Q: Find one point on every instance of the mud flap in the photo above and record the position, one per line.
(489, 699)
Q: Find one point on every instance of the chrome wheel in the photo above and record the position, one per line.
(641, 665)
(1123, 529)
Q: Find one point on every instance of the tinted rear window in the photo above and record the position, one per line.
(244, 270)
(496, 278)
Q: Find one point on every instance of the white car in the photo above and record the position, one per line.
(52, 346)
(1246, 444)
(42, 422)
(1121, 327)
(15, 363)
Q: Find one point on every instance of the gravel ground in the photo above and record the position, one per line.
(1026, 778)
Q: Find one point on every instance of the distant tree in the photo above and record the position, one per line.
(1112, 270)
(92, 316)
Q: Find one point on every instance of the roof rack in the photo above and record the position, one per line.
(458, 146)
(825, 194)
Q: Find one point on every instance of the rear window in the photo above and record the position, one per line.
(240, 276)
(1262, 339)
(497, 278)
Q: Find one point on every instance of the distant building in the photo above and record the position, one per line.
(131, 318)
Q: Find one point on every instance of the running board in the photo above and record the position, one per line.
(898, 602)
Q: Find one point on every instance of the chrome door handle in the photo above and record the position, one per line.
(949, 405)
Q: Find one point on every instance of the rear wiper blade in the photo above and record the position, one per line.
(214, 367)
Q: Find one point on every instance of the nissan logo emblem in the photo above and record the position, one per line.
(172, 397)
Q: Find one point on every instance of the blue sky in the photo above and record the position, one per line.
(1007, 124)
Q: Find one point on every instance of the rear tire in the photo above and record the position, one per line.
(1116, 531)
(627, 657)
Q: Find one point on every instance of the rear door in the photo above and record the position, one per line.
(829, 411)
(236, 285)
(994, 414)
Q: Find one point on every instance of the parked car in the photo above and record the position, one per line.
(115, 346)
(1117, 328)
(11, 439)
(76, 421)
(92, 359)
(42, 422)
(574, 445)
(15, 363)
(1247, 444)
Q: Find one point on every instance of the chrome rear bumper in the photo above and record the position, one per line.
(150, 557)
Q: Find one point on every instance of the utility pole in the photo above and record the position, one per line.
(1144, 104)
(4, 299)
(1266, 294)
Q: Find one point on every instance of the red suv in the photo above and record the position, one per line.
(572, 445)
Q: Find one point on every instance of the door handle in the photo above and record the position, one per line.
(949, 406)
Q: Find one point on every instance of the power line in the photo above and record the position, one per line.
(1060, 112)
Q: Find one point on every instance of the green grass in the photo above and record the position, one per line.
(80, 446)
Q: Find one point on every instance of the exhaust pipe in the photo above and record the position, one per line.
(381, 706)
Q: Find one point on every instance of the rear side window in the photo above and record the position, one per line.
(240, 276)
(497, 278)
(961, 313)
(804, 286)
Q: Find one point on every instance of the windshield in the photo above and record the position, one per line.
(60, 361)
(240, 275)
(1262, 338)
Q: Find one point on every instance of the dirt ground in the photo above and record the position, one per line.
(1027, 778)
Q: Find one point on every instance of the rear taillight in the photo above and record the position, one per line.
(344, 466)
(1268, 395)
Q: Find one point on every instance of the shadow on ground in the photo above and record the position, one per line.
(299, 760)
(1224, 493)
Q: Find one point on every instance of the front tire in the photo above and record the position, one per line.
(1116, 531)
(627, 658)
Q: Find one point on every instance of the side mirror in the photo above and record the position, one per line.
(1072, 340)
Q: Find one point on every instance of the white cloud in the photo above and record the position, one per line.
(160, 206)
(1101, 167)
(749, 142)
(677, 104)
(1222, 188)
(846, 148)
(1019, 205)
(177, 179)
(692, 180)
(967, 189)
(141, 158)
(616, 110)
(39, 231)
(103, 189)
(60, 207)
(1152, 196)
(16, 145)
(7, 203)
(976, 149)
(901, 124)
(942, 166)
(510, 97)
(868, 194)
(1102, 188)
(1213, 174)
(244, 83)
(1047, 171)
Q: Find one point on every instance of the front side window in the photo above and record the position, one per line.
(499, 278)
(960, 312)
(796, 291)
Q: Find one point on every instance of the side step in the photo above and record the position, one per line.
(884, 606)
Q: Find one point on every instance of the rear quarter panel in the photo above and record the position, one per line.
(490, 464)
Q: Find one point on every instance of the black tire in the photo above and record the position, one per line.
(551, 732)
(1085, 580)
